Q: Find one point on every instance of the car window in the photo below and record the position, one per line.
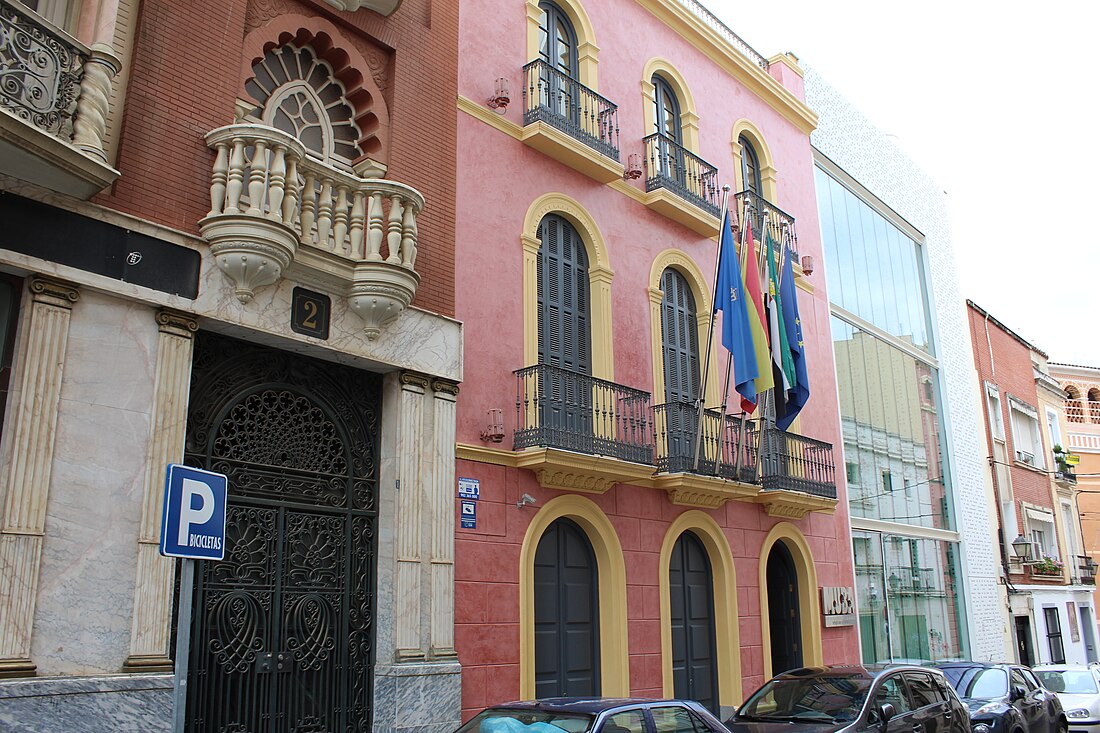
(893, 692)
(982, 683)
(1031, 679)
(1019, 679)
(830, 698)
(675, 719)
(923, 690)
(1074, 682)
(628, 721)
(502, 720)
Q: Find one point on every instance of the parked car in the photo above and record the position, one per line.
(1078, 687)
(595, 715)
(895, 699)
(1005, 698)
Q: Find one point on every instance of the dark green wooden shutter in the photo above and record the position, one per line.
(680, 339)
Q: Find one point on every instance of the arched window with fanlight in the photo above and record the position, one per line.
(558, 52)
(750, 167)
(670, 134)
(298, 93)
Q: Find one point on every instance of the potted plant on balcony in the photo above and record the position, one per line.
(1047, 566)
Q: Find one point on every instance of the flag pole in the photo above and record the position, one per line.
(710, 335)
(743, 258)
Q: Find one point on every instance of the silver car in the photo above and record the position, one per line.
(1078, 687)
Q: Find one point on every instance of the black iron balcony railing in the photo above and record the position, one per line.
(40, 71)
(725, 450)
(564, 103)
(781, 224)
(672, 166)
(1086, 569)
(558, 408)
(795, 463)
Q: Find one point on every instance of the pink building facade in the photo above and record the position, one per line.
(598, 557)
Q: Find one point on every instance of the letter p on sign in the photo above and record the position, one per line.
(194, 514)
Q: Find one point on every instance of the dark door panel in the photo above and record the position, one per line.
(694, 652)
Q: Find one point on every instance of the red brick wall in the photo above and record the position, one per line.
(185, 76)
(1005, 361)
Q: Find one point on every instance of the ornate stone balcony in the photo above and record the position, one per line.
(54, 95)
(276, 211)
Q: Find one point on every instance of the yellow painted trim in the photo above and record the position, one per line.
(726, 634)
(756, 81)
(687, 267)
(570, 151)
(484, 454)
(600, 276)
(763, 153)
(808, 603)
(675, 207)
(486, 115)
(789, 60)
(689, 113)
(587, 51)
(628, 190)
(614, 660)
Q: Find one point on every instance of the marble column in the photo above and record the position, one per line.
(441, 500)
(33, 423)
(408, 535)
(150, 632)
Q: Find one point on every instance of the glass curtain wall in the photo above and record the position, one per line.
(910, 608)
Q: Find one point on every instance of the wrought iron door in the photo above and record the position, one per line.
(694, 652)
(282, 634)
(784, 616)
(567, 646)
(564, 337)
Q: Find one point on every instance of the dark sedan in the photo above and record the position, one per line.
(595, 715)
(900, 699)
(1005, 698)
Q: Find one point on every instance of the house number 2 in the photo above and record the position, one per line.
(310, 312)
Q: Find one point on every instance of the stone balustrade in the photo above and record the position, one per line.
(269, 200)
(59, 87)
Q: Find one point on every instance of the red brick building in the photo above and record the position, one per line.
(229, 242)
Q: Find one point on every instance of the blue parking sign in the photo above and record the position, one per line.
(193, 525)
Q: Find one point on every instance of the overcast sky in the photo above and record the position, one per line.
(998, 103)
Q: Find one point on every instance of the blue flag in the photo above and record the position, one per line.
(799, 393)
(730, 298)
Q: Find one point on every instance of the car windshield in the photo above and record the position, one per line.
(1074, 682)
(978, 683)
(502, 720)
(833, 699)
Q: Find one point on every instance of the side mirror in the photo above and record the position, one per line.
(885, 712)
(1017, 693)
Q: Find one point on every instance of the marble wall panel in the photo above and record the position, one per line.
(85, 593)
(104, 704)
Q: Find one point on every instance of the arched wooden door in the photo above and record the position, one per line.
(691, 595)
(282, 635)
(567, 643)
(784, 615)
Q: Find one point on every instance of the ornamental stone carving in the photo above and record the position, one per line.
(382, 7)
(273, 207)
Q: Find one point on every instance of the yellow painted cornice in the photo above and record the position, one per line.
(484, 454)
(789, 60)
(486, 115)
(719, 50)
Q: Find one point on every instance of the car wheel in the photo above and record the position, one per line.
(1063, 726)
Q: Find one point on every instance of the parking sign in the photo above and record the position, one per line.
(194, 513)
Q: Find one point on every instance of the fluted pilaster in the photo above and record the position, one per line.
(408, 536)
(441, 498)
(33, 425)
(150, 630)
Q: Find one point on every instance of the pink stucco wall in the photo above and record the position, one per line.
(498, 179)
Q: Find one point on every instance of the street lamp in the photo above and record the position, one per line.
(1021, 548)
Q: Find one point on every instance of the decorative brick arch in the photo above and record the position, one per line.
(349, 67)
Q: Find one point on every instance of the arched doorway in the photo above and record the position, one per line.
(282, 635)
(567, 647)
(784, 614)
(691, 596)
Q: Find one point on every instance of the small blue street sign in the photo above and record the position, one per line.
(469, 488)
(194, 514)
(469, 514)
